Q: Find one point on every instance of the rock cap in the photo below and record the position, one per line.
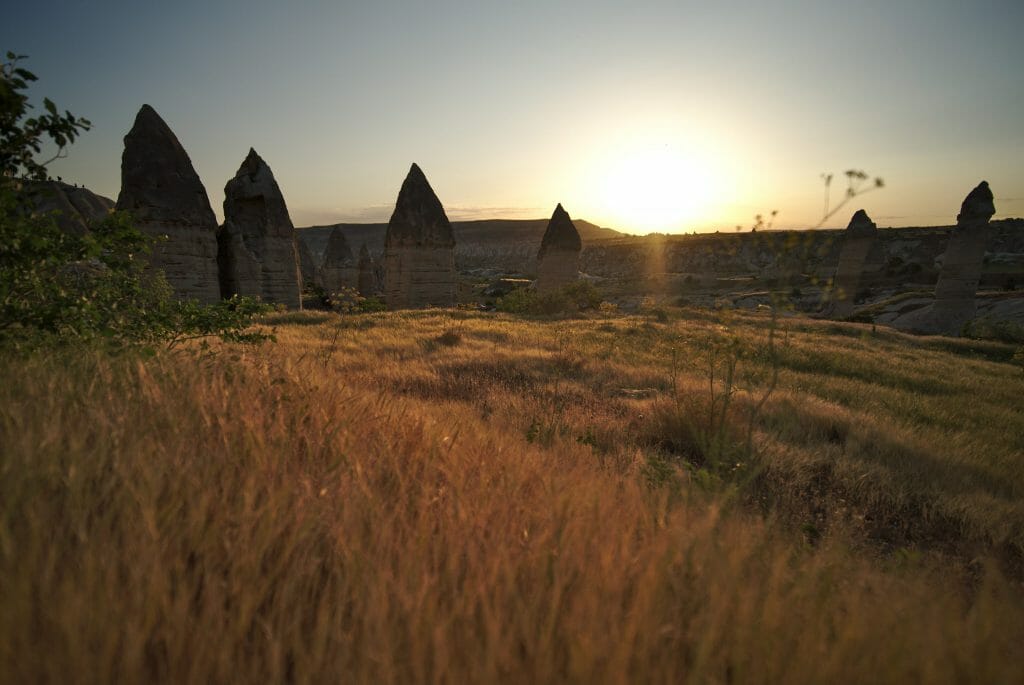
(979, 205)
(158, 181)
(254, 180)
(561, 234)
(251, 165)
(861, 224)
(419, 217)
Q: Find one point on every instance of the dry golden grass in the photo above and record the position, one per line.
(921, 438)
(444, 497)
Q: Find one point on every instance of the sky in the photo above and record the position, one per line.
(641, 116)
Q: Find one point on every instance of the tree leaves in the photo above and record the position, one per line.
(23, 137)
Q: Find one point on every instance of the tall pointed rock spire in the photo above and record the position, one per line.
(561, 233)
(339, 269)
(858, 239)
(962, 262)
(258, 252)
(419, 248)
(559, 255)
(163, 192)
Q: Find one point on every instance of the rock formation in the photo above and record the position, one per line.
(419, 249)
(367, 279)
(307, 265)
(558, 261)
(954, 303)
(258, 255)
(339, 269)
(76, 206)
(858, 240)
(164, 194)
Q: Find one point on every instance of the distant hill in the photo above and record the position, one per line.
(523, 230)
(472, 235)
(510, 246)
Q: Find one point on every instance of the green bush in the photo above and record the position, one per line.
(520, 301)
(348, 300)
(573, 298)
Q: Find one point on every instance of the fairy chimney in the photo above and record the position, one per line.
(419, 249)
(367, 273)
(258, 255)
(559, 256)
(165, 196)
(339, 268)
(962, 262)
(858, 240)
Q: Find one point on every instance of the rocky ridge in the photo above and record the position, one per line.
(75, 207)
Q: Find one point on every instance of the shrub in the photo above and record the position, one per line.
(573, 298)
(348, 300)
(314, 297)
(520, 301)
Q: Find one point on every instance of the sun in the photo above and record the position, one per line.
(653, 187)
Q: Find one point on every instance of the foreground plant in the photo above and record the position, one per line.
(259, 520)
(57, 287)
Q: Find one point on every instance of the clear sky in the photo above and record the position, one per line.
(670, 116)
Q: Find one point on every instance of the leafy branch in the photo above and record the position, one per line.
(22, 137)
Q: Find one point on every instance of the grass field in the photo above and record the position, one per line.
(444, 496)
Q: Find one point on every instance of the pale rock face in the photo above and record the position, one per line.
(419, 277)
(258, 255)
(164, 194)
(961, 270)
(76, 206)
(858, 240)
(419, 249)
(558, 260)
(339, 269)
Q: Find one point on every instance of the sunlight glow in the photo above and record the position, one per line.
(653, 187)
